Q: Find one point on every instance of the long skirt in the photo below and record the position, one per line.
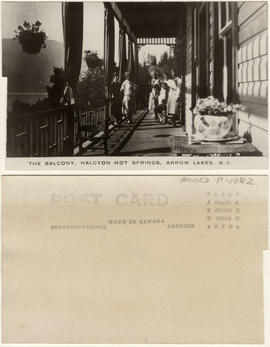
(172, 104)
(128, 105)
(116, 109)
(151, 103)
(153, 100)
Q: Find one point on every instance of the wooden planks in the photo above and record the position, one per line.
(253, 25)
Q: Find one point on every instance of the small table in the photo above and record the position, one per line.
(180, 146)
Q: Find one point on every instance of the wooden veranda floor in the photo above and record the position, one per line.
(142, 138)
(151, 139)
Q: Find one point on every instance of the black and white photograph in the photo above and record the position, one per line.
(152, 79)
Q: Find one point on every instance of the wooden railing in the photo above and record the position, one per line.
(54, 132)
(41, 134)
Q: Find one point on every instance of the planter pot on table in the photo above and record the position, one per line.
(215, 127)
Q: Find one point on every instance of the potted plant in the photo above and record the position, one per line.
(31, 37)
(92, 60)
(215, 120)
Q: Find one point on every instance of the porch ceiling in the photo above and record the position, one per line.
(152, 19)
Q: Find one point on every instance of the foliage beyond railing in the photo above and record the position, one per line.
(53, 132)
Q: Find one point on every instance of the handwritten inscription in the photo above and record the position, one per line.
(233, 180)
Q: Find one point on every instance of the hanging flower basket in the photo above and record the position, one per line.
(214, 120)
(31, 37)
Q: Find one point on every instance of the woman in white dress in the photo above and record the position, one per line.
(153, 94)
(174, 84)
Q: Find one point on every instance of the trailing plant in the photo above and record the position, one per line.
(31, 37)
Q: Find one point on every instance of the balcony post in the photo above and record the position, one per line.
(72, 16)
(108, 65)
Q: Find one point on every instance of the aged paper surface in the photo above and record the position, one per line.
(133, 259)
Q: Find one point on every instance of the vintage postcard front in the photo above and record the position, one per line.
(133, 259)
(88, 80)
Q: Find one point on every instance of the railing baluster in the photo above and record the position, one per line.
(52, 132)
(37, 138)
(30, 138)
(62, 133)
(41, 136)
(47, 138)
(58, 139)
(55, 133)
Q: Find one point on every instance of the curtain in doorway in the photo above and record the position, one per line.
(130, 58)
(136, 62)
(72, 16)
(108, 45)
(122, 54)
(108, 65)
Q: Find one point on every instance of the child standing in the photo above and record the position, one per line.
(162, 103)
(154, 82)
(154, 97)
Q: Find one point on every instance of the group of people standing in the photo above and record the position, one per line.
(123, 98)
(163, 99)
